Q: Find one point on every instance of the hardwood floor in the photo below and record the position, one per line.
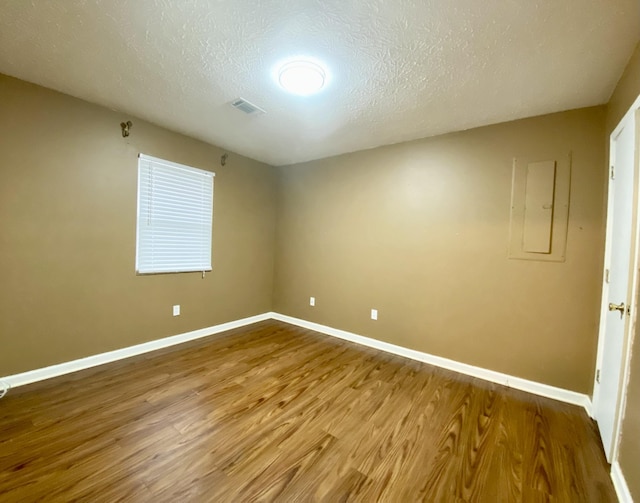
(273, 412)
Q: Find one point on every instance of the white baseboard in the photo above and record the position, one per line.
(119, 354)
(620, 484)
(533, 387)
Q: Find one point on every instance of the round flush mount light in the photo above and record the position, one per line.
(301, 76)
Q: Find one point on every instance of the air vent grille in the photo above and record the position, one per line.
(247, 107)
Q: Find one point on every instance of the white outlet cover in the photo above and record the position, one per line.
(176, 310)
(312, 301)
(374, 314)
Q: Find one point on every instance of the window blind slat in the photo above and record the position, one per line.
(186, 210)
(175, 215)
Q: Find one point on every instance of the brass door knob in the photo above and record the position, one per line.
(617, 307)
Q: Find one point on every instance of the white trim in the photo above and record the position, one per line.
(120, 354)
(536, 388)
(533, 387)
(620, 484)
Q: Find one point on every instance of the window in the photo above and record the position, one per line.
(175, 212)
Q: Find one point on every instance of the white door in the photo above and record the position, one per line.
(617, 296)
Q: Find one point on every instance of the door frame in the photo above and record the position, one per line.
(632, 291)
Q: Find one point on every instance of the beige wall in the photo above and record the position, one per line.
(626, 92)
(419, 231)
(68, 227)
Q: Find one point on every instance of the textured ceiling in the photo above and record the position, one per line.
(400, 69)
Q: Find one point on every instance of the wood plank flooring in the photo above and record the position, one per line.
(272, 412)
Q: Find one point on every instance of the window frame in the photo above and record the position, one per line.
(141, 267)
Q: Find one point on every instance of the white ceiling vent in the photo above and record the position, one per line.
(247, 107)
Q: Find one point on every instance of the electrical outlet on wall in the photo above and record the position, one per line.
(312, 301)
(374, 314)
(176, 310)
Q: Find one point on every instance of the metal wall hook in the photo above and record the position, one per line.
(125, 128)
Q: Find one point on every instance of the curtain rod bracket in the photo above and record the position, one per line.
(125, 128)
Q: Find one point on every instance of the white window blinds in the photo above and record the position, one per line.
(175, 212)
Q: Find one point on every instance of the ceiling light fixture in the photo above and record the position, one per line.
(301, 76)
